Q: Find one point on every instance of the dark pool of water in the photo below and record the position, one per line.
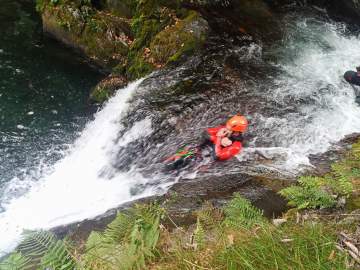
(43, 94)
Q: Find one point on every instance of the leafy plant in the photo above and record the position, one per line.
(40, 250)
(241, 214)
(15, 261)
(341, 182)
(309, 194)
(210, 216)
(128, 242)
(40, 5)
(199, 235)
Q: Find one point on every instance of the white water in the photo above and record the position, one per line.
(315, 57)
(76, 189)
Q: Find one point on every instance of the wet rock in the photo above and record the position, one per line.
(347, 10)
(107, 87)
(322, 162)
(100, 36)
(342, 10)
(237, 17)
(120, 8)
(185, 200)
(183, 38)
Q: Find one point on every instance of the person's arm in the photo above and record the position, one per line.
(225, 153)
(243, 138)
(213, 131)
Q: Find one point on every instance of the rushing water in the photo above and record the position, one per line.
(43, 97)
(293, 92)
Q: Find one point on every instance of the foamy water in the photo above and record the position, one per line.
(76, 189)
(322, 108)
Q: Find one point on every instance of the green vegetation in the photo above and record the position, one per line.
(134, 39)
(127, 243)
(328, 190)
(40, 250)
(179, 39)
(305, 247)
(106, 88)
(237, 237)
(101, 36)
(240, 214)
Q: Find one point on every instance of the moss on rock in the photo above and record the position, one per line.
(128, 38)
(183, 38)
(123, 8)
(106, 88)
(100, 36)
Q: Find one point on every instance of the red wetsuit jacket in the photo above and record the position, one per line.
(223, 153)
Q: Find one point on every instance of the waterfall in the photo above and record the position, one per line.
(77, 188)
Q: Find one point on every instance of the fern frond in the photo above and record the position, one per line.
(241, 214)
(119, 228)
(210, 216)
(15, 261)
(199, 234)
(43, 250)
(128, 242)
(307, 197)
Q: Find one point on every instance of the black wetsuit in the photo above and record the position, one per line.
(352, 77)
(206, 141)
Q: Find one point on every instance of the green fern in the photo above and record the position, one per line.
(45, 251)
(311, 193)
(241, 214)
(307, 197)
(15, 261)
(145, 234)
(341, 182)
(210, 216)
(40, 250)
(128, 242)
(321, 192)
(199, 234)
(119, 228)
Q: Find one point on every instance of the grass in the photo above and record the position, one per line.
(249, 242)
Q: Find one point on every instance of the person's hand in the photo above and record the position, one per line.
(225, 142)
(224, 132)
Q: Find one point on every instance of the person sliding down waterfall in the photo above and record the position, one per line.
(353, 78)
(224, 140)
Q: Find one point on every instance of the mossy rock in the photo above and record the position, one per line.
(159, 32)
(106, 39)
(106, 88)
(183, 38)
(122, 8)
(138, 66)
(99, 35)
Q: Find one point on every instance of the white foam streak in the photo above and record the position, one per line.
(313, 82)
(76, 190)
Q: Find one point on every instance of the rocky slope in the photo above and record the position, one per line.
(129, 39)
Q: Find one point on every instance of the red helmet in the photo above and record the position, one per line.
(237, 123)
